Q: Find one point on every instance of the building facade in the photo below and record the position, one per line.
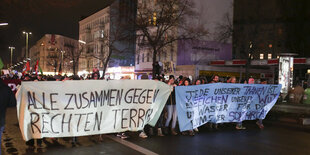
(173, 56)
(53, 53)
(102, 36)
(265, 28)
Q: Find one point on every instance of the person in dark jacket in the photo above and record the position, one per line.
(7, 99)
(171, 108)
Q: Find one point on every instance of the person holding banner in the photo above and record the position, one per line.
(7, 99)
(159, 123)
(171, 107)
(260, 121)
(239, 124)
(214, 79)
(187, 82)
(198, 82)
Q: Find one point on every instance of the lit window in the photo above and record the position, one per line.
(261, 56)
(150, 21)
(101, 33)
(154, 18)
(269, 56)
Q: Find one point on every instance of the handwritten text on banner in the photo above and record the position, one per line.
(222, 102)
(78, 108)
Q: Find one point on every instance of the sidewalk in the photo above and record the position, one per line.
(290, 115)
(303, 109)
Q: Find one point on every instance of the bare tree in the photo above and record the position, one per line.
(163, 22)
(112, 41)
(73, 54)
(224, 29)
(52, 61)
(118, 40)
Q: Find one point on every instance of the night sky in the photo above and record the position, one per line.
(41, 17)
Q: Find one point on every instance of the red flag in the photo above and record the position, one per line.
(36, 67)
(26, 68)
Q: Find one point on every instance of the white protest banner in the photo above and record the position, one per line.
(223, 102)
(78, 108)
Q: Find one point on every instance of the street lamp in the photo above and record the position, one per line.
(11, 48)
(82, 42)
(62, 58)
(4, 24)
(27, 36)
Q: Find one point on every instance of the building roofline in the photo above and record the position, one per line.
(107, 4)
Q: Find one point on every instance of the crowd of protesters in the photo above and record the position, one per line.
(167, 122)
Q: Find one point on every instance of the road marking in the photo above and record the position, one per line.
(131, 145)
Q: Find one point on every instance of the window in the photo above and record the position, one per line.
(164, 56)
(154, 18)
(269, 56)
(101, 33)
(142, 57)
(150, 21)
(138, 58)
(148, 57)
(261, 56)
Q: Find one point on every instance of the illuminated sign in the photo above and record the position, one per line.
(286, 64)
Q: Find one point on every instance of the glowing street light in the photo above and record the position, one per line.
(82, 42)
(27, 36)
(4, 24)
(11, 48)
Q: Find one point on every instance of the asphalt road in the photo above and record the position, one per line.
(227, 140)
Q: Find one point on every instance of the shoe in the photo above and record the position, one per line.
(196, 130)
(74, 141)
(165, 130)
(240, 127)
(173, 132)
(159, 132)
(100, 138)
(191, 133)
(142, 135)
(184, 133)
(122, 135)
(215, 126)
(260, 125)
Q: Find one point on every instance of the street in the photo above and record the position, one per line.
(272, 140)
